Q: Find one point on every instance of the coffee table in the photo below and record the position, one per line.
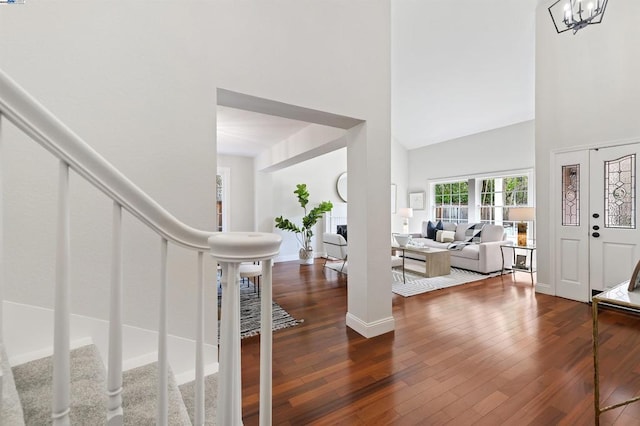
(437, 262)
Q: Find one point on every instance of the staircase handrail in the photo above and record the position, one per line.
(26, 113)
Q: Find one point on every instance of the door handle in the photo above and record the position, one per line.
(596, 234)
(596, 227)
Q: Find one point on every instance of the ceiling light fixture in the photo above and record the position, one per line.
(574, 15)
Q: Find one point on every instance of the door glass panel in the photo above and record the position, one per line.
(571, 195)
(219, 201)
(620, 192)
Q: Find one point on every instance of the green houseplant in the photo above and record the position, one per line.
(309, 220)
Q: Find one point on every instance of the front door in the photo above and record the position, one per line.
(597, 238)
(614, 237)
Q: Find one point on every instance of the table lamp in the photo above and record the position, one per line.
(522, 215)
(405, 213)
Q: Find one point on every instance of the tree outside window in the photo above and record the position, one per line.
(452, 201)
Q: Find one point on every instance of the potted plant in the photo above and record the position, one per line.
(309, 220)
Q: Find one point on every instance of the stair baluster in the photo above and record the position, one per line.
(61, 340)
(199, 394)
(266, 339)
(114, 384)
(163, 363)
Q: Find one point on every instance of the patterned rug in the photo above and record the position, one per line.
(417, 284)
(250, 313)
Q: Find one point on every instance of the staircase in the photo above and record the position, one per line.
(28, 401)
(71, 387)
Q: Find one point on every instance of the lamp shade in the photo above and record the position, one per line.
(522, 214)
(406, 212)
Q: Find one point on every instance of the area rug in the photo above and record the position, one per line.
(417, 284)
(250, 313)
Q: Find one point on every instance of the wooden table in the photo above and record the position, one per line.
(437, 262)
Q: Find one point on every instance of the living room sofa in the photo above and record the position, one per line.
(475, 247)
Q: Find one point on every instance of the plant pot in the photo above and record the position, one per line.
(306, 257)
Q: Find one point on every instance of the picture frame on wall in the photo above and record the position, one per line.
(394, 197)
(417, 200)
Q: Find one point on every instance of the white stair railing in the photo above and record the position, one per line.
(22, 110)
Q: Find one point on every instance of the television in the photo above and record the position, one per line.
(342, 230)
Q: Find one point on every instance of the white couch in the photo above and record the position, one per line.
(480, 253)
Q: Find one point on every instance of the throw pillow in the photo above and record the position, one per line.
(425, 229)
(473, 233)
(432, 228)
(445, 236)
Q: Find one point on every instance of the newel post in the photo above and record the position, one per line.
(230, 249)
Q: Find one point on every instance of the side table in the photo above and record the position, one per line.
(521, 262)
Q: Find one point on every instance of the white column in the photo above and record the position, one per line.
(163, 366)
(266, 338)
(229, 376)
(114, 379)
(199, 402)
(61, 361)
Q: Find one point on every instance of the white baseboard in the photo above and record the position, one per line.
(46, 351)
(35, 332)
(190, 376)
(371, 329)
(545, 289)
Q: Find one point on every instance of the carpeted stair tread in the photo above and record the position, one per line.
(188, 391)
(139, 397)
(11, 413)
(88, 401)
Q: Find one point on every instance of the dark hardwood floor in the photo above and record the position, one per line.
(491, 352)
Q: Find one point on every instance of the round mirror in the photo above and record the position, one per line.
(341, 186)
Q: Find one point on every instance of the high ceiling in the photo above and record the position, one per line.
(458, 68)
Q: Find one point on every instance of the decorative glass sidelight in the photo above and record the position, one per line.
(620, 192)
(571, 195)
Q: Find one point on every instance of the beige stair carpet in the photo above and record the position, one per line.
(188, 391)
(139, 398)
(88, 401)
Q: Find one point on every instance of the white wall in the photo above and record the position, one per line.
(320, 174)
(587, 93)
(138, 80)
(134, 79)
(506, 148)
(399, 177)
(241, 192)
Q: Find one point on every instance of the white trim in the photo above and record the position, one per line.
(47, 351)
(225, 172)
(371, 329)
(545, 289)
(34, 333)
(190, 375)
(494, 174)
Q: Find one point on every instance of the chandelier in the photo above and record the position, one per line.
(576, 14)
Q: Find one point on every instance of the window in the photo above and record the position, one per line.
(484, 198)
(452, 201)
(497, 195)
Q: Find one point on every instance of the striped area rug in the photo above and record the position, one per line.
(417, 285)
(250, 313)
